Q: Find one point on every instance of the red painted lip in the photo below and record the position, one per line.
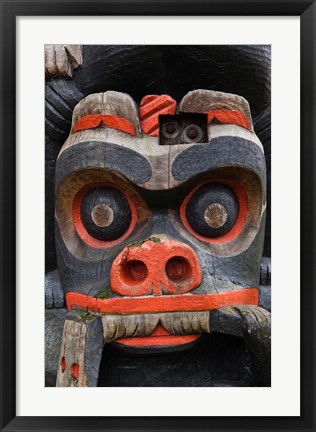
(156, 304)
(159, 337)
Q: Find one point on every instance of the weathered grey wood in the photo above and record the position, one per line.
(81, 350)
(227, 321)
(232, 130)
(265, 297)
(253, 323)
(186, 322)
(54, 324)
(203, 101)
(256, 323)
(265, 271)
(75, 55)
(118, 326)
(176, 323)
(72, 368)
(265, 283)
(54, 295)
(61, 60)
(111, 103)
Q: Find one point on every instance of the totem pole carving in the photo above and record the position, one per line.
(160, 217)
(62, 60)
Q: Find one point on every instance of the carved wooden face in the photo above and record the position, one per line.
(160, 213)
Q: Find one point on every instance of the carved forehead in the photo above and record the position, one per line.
(143, 163)
(168, 169)
(140, 157)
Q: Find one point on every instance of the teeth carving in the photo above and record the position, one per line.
(186, 322)
(176, 323)
(119, 326)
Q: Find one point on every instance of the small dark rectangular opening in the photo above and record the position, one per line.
(183, 128)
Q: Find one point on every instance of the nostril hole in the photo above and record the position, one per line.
(177, 269)
(135, 271)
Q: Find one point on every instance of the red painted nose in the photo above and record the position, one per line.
(155, 267)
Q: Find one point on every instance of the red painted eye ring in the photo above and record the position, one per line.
(80, 228)
(241, 218)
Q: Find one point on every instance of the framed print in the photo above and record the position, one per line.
(174, 161)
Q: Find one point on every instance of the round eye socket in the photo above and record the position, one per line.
(192, 134)
(212, 210)
(170, 129)
(105, 213)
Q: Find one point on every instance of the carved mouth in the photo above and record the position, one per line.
(174, 323)
(157, 329)
(160, 337)
(162, 320)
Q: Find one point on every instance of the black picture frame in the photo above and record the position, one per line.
(11, 9)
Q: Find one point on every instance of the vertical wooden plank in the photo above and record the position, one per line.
(81, 350)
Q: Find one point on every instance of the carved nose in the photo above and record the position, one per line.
(155, 267)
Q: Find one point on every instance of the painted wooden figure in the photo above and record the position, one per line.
(160, 217)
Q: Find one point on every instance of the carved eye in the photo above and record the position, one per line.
(212, 210)
(192, 134)
(171, 129)
(105, 213)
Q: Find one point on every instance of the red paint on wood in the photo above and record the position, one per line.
(228, 117)
(151, 106)
(159, 337)
(148, 98)
(63, 364)
(74, 370)
(114, 122)
(155, 257)
(160, 331)
(80, 228)
(241, 218)
(152, 304)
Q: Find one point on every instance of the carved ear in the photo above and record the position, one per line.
(151, 107)
(116, 110)
(224, 107)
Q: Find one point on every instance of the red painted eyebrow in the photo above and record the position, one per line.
(114, 122)
(228, 117)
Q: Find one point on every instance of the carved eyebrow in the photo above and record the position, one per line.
(114, 122)
(228, 117)
(99, 154)
(222, 152)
